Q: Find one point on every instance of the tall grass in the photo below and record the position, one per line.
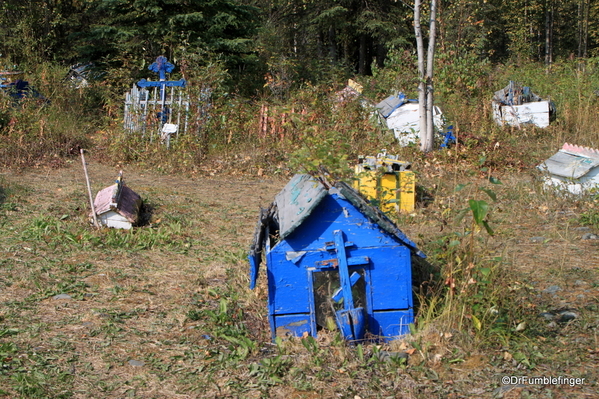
(47, 129)
(161, 294)
(37, 132)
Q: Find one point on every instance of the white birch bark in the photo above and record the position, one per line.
(425, 76)
(427, 141)
(421, 72)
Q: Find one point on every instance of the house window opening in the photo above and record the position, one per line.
(328, 298)
(272, 225)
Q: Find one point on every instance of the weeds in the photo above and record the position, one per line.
(590, 217)
(299, 123)
(470, 298)
(59, 233)
(44, 131)
(227, 326)
(173, 291)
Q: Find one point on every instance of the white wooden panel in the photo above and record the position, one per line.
(405, 123)
(113, 219)
(536, 113)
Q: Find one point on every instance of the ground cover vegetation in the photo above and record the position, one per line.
(163, 311)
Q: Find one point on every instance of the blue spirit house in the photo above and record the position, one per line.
(333, 260)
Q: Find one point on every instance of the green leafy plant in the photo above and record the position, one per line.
(325, 154)
(590, 217)
(479, 208)
(471, 289)
(271, 370)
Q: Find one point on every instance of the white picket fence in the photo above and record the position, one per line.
(157, 115)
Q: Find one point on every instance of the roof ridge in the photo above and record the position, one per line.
(581, 150)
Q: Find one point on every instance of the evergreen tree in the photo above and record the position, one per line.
(124, 30)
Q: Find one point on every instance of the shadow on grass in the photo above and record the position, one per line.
(145, 214)
(424, 197)
(425, 279)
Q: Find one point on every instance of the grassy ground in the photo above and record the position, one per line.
(164, 311)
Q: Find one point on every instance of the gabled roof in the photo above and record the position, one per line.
(571, 161)
(302, 195)
(118, 198)
(296, 202)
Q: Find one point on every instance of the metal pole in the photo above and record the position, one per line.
(89, 190)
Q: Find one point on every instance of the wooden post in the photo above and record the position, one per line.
(89, 191)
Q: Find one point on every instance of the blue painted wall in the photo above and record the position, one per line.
(292, 262)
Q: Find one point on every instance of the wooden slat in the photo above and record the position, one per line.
(142, 104)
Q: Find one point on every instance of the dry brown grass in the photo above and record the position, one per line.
(162, 305)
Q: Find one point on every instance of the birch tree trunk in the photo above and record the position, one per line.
(421, 72)
(425, 75)
(426, 145)
(549, 33)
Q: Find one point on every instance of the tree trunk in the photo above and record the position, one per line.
(425, 75)
(333, 45)
(586, 28)
(549, 33)
(381, 54)
(421, 73)
(426, 145)
(362, 55)
(580, 2)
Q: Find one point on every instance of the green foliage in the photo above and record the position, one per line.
(472, 295)
(590, 217)
(332, 146)
(219, 45)
(479, 208)
(8, 354)
(49, 129)
(472, 292)
(226, 325)
(35, 31)
(570, 84)
(398, 74)
(123, 30)
(461, 77)
(472, 27)
(37, 134)
(323, 155)
(479, 213)
(270, 370)
(57, 234)
(29, 375)
(310, 344)
(337, 38)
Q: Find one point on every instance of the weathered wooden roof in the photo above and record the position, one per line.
(302, 195)
(390, 104)
(118, 198)
(571, 161)
(296, 201)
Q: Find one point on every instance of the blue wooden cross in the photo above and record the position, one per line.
(161, 66)
(350, 320)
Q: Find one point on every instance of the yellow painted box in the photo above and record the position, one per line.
(391, 191)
